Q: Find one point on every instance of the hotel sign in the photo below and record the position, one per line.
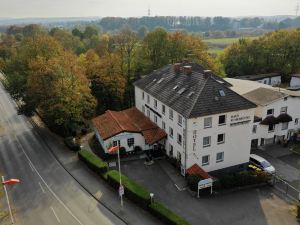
(239, 120)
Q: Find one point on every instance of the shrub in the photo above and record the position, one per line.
(71, 144)
(93, 162)
(298, 210)
(166, 215)
(133, 191)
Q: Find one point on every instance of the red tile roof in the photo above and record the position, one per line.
(131, 120)
(197, 170)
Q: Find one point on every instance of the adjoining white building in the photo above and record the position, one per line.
(277, 113)
(273, 79)
(207, 123)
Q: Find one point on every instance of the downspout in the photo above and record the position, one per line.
(185, 144)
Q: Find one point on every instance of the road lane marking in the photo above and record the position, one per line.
(42, 179)
(31, 166)
(55, 214)
(42, 188)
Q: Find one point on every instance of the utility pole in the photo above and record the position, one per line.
(297, 9)
(149, 11)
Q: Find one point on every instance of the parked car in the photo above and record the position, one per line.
(262, 163)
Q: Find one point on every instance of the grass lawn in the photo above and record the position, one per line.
(296, 149)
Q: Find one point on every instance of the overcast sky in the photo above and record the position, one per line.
(126, 8)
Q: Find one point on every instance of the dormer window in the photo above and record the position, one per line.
(174, 88)
(181, 91)
(222, 93)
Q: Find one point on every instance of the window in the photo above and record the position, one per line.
(222, 120)
(220, 157)
(221, 93)
(115, 143)
(179, 139)
(271, 127)
(206, 141)
(148, 99)
(205, 160)
(208, 122)
(181, 91)
(143, 95)
(130, 142)
(285, 98)
(270, 111)
(283, 109)
(171, 132)
(148, 112)
(285, 126)
(179, 120)
(163, 109)
(296, 121)
(155, 103)
(143, 109)
(254, 128)
(179, 157)
(221, 138)
(190, 94)
(171, 114)
(163, 125)
(155, 119)
(170, 150)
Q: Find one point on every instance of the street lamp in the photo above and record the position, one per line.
(151, 197)
(9, 182)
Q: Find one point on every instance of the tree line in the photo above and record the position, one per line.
(278, 51)
(70, 76)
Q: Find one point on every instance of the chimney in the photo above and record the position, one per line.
(176, 68)
(207, 73)
(187, 70)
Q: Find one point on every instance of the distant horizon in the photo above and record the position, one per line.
(138, 8)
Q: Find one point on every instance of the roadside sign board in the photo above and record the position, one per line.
(121, 190)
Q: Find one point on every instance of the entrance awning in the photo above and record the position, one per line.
(269, 120)
(284, 118)
(197, 170)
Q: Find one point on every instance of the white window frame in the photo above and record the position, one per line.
(148, 112)
(209, 142)
(143, 109)
(270, 131)
(155, 119)
(205, 122)
(148, 99)
(163, 125)
(171, 132)
(179, 120)
(130, 142)
(223, 141)
(171, 114)
(296, 121)
(143, 95)
(219, 160)
(254, 129)
(163, 109)
(283, 109)
(205, 163)
(179, 140)
(221, 124)
(155, 104)
(271, 113)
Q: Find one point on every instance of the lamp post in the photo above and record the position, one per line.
(151, 197)
(9, 182)
(121, 188)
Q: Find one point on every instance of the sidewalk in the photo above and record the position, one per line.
(108, 197)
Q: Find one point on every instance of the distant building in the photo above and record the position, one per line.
(295, 80)
(273, 79)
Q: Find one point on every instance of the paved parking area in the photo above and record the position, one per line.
(248, 207)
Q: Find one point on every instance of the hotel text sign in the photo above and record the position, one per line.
(239, 120)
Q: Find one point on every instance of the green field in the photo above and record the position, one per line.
(217, 45)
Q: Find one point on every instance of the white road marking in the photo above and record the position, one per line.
(52, 192)
(31, 166)
(42, 188)
(55, 214)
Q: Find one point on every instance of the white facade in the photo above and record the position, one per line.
(189, 140)
(273, 81)
(127, 140)
(262, 135)
(295, 81)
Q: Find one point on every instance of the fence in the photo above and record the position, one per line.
(282, 185)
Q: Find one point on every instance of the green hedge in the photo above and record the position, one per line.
(166, 215)
(93, 162)
(133, 191)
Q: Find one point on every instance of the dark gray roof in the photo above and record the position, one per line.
(206, 98)
(257, 76)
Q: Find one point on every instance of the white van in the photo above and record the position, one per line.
(262, 163)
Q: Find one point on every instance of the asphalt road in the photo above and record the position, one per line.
(47, 194)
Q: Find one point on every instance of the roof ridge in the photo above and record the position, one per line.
(110, 113)
(196, 99)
